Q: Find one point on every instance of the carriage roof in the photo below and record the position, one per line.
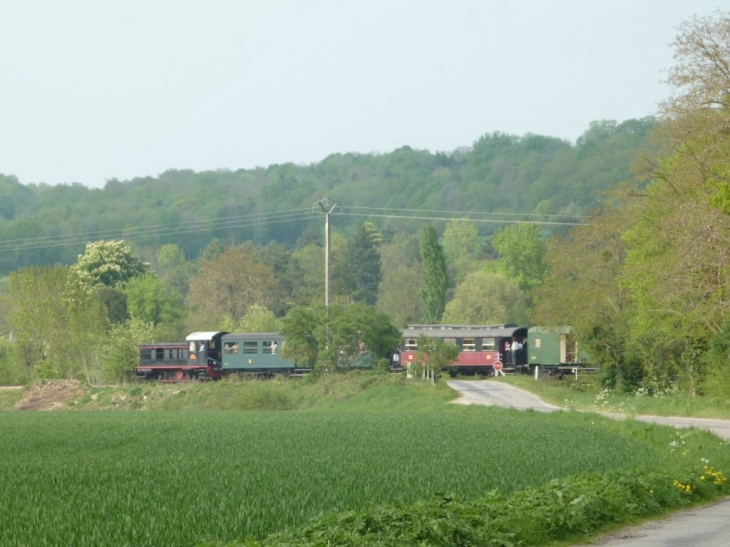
(202, 336)
(507, 330)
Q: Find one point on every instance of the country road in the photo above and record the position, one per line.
(700, 527)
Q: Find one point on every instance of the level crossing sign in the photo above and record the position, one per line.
(497, 365)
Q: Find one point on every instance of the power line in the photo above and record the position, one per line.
(78, 241)
(463, 212)
(485, 220)
(105, 233)
(260, 219)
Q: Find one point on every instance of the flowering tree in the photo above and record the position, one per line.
(108, 263)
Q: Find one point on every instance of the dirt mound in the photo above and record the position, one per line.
(49, 395)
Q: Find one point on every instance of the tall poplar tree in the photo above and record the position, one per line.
(435, 278)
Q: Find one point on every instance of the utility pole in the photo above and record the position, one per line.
(325, 205)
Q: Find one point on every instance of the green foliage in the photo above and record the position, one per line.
(435, 355)
(56, 323)
(12, 371)
(257, 319)
(398, 295)
(172, 267)
(646, 285)
(461, 249)
(363, 262)
(435, 278)
(337, 336)
(227, 286)
(121, 350)
(717, 381)
(152, 300)
(486, 298)
(521, 249)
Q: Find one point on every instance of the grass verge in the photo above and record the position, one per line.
(585, 394)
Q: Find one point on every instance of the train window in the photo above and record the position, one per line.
(250, 347)
(230, 347)
(146, 354)
(191, 347)
(270, 347)
(411, 344)
(468, 344)
(159, 354)
(487, 344)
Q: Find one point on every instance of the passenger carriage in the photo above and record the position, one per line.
(256, 354)
(480, 346)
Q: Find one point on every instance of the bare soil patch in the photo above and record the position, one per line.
(49, 395)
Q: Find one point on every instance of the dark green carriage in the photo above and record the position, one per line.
(255, 354)
(553, 350)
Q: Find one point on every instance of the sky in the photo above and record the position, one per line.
(101, 89)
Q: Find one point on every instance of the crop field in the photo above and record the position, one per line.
(176, 478)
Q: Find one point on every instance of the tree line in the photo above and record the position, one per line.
(646, 282)
(86, 320)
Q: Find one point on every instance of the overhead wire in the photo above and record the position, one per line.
(30, 244)
(260, 219)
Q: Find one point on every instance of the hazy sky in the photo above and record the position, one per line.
(100, 89)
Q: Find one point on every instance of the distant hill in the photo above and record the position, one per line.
(42, 224)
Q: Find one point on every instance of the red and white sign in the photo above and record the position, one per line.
(497, 365)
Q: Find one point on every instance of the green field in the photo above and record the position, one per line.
(167, 478)
(174, 478)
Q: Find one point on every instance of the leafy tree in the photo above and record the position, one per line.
(227, 286)
(487, 298)
(172, 267)
(212, 251)
(434, 354)
(152, 300)
(37, 316)
(435, 279)
(363, 263)
(108, 263)
(287, 269)
(257, 319)
(402, 251)
(521, 250)
(584, 290)
(121, 351)
(461, 249)
(398, 295)
(115, 302)
(58, 325)
(311, 261)
(338, 335)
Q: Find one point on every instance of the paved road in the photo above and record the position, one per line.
(702, 527)
(499, 394)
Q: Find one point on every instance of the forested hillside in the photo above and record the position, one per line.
(42, 224)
